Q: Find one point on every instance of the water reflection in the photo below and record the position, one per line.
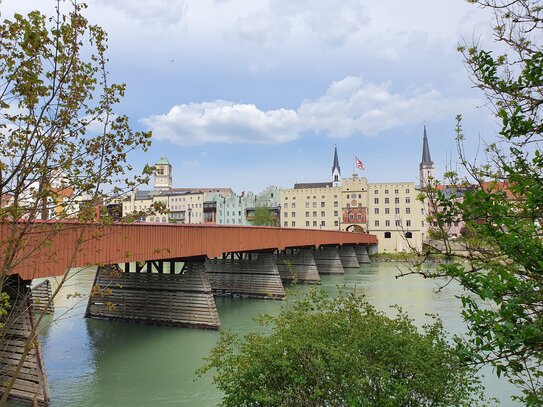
(104, 363)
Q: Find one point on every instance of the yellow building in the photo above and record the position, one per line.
(389, 210)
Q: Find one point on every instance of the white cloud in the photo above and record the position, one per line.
(350, 106)
(151, 11)
(330, 22)
(224, 122)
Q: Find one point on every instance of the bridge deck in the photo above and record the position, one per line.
(51, 247)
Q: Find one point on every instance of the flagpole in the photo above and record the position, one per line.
(353, 165)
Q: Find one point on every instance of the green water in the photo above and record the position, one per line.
(103, 363)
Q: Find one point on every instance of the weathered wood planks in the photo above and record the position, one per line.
(31, 384)
(246, 278)
(165, 299)
(328, 261)
(40, 296)
(298, 266)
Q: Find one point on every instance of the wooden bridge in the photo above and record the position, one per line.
(162, 273)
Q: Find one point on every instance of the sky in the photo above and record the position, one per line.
(251, 93)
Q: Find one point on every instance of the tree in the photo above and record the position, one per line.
(63, 149)
(263, 217)
(502, 206)
(338, 352)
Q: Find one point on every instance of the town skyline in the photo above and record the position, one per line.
(229, 112)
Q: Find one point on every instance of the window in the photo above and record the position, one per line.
(351, 217)
(397, 211)
(376, 211)
(408, 210)
(293, 206)
(348, 205)
(285, 214)
(336, 204)
(307, 204)
(286, 197)
(314, 214)
(292, 214)
(322, 214)
(307, 223)
(387, 211)
(348, 196)
(396, 191)
(336, 223)
(359, 196)
(396, 201)
(408, 235)
(398, 222)
(386, 191)
(335, 196)
(407, 191)
(314, 223)
(422, 223)
(387, 200)
(323, 223)
(387, 223)
(314, 204)
(307, 214)
(359, 217)
(388, 235)
(407, 223)
(314, 197)
(293, 223)
(336, 213)
(376, 200)
(407, 200)
(377, 223)
(322, 204)
(285, 224)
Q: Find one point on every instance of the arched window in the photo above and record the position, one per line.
(351, 217)
(359, 217)
(408, 235)
(163, 220)
(387, 235)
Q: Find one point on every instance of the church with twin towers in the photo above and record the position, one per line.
(389, 210)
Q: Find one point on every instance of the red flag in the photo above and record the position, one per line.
(359, 164)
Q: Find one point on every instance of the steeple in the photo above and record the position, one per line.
(336, 172)
(426, 165)
(163, 174)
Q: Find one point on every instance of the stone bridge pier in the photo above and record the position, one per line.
(298, 266)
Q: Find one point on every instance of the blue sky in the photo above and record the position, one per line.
(248, 93)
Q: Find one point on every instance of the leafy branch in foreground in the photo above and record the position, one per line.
(337, 352)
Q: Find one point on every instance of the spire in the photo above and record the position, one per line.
(336, 161)
(336, 172)
(426, 160)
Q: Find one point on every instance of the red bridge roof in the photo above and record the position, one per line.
(50, 248)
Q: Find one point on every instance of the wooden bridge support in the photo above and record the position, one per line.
(362, 254)
(328, 261)
(247, 277)
(348, 257)
(174, 299)
(298, 266)
(31, 384)
(41, 295)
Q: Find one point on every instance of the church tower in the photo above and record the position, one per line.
(427, 165)
(336, 172)
(163, 174)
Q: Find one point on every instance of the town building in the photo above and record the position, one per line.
(389, 210)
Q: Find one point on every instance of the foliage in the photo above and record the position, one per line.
(263, 217)
(63, 148)
(339, 352)
(503, 208)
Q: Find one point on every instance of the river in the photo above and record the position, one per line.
(102, 363)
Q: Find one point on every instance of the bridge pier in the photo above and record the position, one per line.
(362, 254)
(348, 257)
(31, 384)
(298, 266)
(328, 261)
(181, 298)
(246, 277)
(40, 295)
